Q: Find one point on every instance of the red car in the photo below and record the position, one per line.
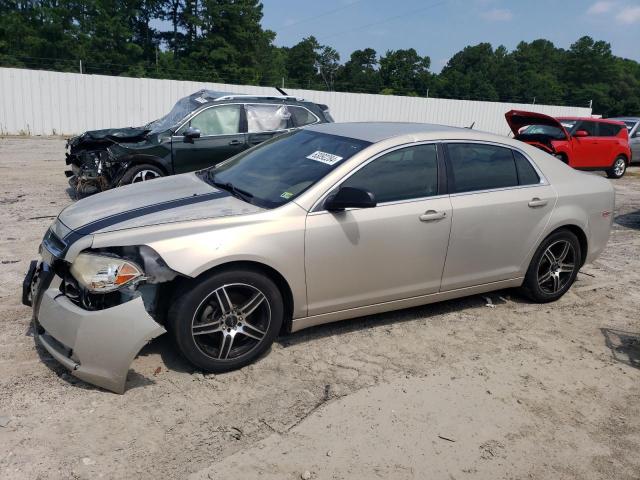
(583, 143)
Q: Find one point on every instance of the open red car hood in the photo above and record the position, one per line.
(519, 118)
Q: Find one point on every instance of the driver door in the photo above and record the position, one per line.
(221, 137)
(393, 251)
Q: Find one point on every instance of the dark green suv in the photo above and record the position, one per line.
(201, 130)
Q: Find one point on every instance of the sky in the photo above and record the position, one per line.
(440, 28)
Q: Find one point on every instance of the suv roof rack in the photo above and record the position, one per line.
(273, 97)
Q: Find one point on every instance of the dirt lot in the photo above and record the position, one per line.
(456, 390)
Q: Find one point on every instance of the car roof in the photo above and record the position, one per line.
(591, 119)
(622, 119)
(377, 131)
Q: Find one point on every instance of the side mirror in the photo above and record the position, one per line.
(191, 133)
(581, 133)
(350, 197)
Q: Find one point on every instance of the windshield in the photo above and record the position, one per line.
(630, 124)
(546, 130)
(281, 169)
(181, 109)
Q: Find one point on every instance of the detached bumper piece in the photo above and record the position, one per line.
(96, 346)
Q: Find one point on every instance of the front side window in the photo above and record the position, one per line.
(403, 174)
(279, 170)
(267, 118)
(222, 120)
(476, 166)
(590, 127)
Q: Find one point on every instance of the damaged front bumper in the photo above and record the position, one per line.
(93, 171)
(97, 346)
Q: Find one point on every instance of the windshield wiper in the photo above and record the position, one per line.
(231, 188)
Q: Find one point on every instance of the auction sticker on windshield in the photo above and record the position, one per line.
(324, 157)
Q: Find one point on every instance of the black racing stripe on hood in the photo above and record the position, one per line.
(116, 218)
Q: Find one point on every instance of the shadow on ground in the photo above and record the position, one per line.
(625, 346)
(629, 220)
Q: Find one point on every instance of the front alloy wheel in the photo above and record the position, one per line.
(226, 319)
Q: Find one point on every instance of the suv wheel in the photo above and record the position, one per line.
(140, 173)
(227, 319)
(553, 268)
(618, 168)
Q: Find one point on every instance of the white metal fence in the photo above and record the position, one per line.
(38, 102)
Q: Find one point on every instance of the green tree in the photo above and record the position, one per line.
(404, 72)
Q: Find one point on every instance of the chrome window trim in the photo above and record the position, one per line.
(317, 205)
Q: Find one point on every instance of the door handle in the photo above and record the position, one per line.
(235, 142)
(432, 215)
(535, 202)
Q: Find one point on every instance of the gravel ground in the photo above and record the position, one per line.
(453, 390)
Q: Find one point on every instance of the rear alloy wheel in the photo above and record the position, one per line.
(227, 320)
(140, 173)
(618, 168)
(553, 267)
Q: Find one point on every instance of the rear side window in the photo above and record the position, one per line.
(526, 173)
(267, 118)
(610, 130)
(476, 166)
(301, 116)
(403, 174)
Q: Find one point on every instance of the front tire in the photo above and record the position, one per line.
(227, 320)
(140, 173)
(618, 168)
(553, 268)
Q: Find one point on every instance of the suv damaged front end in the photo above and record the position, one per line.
(93, 311)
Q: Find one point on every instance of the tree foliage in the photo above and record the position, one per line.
(224, 41)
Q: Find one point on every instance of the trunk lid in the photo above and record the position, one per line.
(517, 119)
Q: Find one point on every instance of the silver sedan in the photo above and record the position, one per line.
(328, 223)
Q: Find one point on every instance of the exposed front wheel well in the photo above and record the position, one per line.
(150, 161)
(271, 273)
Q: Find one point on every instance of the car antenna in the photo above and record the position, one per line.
(470, 127)
(282, 92)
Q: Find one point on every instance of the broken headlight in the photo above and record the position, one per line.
(102, 274)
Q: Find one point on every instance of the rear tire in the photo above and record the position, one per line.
(553, 268)
(140, 173)
(618, 168)
(226, 320)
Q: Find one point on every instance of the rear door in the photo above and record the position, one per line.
(264, 121)
(500, 206)
(221, 136)
(607, 135)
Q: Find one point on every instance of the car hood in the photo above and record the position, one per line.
(520, 118)
(165, 200)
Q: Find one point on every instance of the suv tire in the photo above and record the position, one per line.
(140, 173)
(618, 168)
